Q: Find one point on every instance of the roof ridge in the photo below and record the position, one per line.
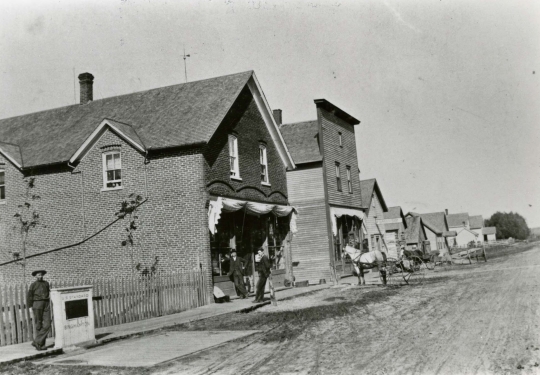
(121, 95)
(298, 123)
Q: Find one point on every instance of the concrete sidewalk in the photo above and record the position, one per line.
(25, 351)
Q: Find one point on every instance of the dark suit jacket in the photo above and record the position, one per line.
(265, 266)
(236, 266)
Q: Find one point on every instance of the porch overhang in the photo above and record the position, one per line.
(217, 205)
(336, 212)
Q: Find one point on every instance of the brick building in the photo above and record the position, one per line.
(183, 148)
(325, 188)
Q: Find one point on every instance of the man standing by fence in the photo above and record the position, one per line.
(38, 300)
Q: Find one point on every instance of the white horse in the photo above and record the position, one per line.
(363, 261)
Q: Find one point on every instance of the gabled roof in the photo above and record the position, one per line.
(467, 230)
(476, 222)
(414, 226)
(435, 221)
(302, 139)
(456, 220)
(489, 230)
(172, 116)
(367, 187)
(12, 153)
(394, 213)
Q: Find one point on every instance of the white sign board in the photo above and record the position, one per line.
(73, 316)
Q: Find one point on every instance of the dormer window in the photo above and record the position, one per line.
(112, 170)
(2, 186)
(264, 164)
(233, 156)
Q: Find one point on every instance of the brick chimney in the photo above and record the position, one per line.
(86, 81)
(446, 210)
(278, 116)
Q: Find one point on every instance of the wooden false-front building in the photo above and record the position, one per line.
(394, 226)
(374, 207)
(325, 189)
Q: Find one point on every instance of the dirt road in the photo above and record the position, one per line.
(479, 319)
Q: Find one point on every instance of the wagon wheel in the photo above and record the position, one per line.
(416, 277)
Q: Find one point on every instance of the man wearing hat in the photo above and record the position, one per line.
(38, 299)
(236, 273)
(264, 268)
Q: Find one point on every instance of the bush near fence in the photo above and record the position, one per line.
(116, 301)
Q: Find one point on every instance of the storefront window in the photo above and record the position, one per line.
(246, 233)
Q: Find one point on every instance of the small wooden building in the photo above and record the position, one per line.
(394, 225)
(437, 231)
(415, 234)
(476, 224)
(325, 189)
(374, 208)
(489, 234)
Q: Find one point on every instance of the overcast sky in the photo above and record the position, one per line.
(447, 91)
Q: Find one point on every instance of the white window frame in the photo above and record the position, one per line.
(338, 177)
(234, 164)
(3, 201)
(105, 170)
(349, 181)
(263, 159)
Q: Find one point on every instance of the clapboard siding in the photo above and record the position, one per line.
(346, 156)
(310, 245)
(375, 213)
(305, 184)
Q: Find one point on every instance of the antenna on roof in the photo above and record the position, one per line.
(185, 63)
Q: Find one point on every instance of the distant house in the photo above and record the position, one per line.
(437, 231)
(394, 225)
(489, 234)
(465, 236)
(476, 224)
(458, 223)
(325, 188)
(415, 234)
(459, 220)
(374, 207)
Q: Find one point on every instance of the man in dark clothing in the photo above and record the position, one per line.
(264, 268)
(236, 272)
(38, 299)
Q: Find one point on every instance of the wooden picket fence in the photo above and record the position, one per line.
(116, 301)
